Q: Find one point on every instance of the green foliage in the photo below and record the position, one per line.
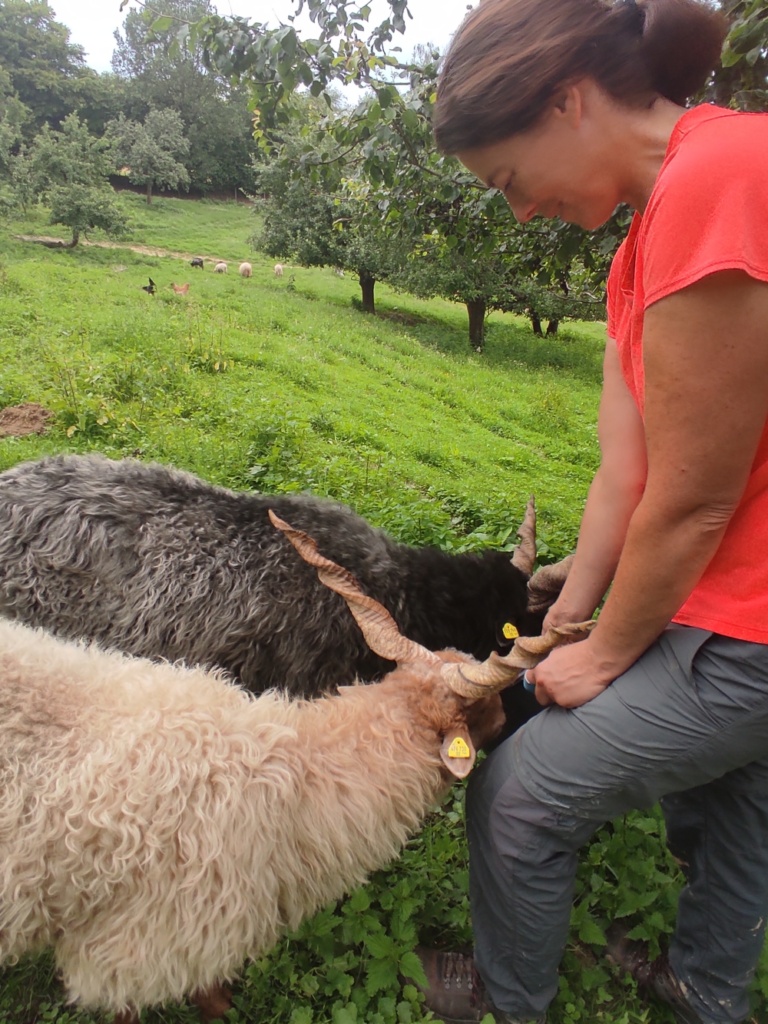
(68, 156)
(312, 213)
(462, 242)
(627, 874)
(214, 113)
(13, 115)
(280, 60)
(297, 215)
(47, 73)
(152, 151)
(83, 207)
(406, 214)
(743, 79)
(216, 230)
(354, 961)
(68, 169)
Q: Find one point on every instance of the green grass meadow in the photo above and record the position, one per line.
(282, 384)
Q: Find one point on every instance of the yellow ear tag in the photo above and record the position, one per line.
(459, 748)
(509, 631)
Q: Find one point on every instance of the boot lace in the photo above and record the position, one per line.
(458, 971)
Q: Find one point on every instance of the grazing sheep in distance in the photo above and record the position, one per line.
(157, 562)
(245, 270)
(279, 270)
(197, 261)
(220, 268)
(159, 825)
(180, 289)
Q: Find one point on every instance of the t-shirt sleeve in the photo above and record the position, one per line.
(709, 210)
(612, 291)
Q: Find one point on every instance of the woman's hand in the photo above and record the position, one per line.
(570, 676)
(554, 617)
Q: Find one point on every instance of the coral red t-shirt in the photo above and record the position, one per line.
(708, 211)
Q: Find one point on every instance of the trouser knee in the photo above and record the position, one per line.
(502, 815)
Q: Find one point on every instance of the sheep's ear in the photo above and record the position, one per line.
(458, 752)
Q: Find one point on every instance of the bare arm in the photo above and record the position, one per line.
(612, 498)
(706, 359)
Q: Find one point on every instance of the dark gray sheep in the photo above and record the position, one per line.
(159, 563)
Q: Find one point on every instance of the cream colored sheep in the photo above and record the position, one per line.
(279, 270)
(245, 270)
(158, 825)
(220, 268)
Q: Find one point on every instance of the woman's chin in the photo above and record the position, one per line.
(589, 222)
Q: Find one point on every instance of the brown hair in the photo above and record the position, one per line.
(509, 58)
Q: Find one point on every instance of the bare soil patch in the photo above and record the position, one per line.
(28, 418)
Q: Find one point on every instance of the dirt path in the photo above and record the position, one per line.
(146, 250)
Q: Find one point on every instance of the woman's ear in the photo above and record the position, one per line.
(569, 102)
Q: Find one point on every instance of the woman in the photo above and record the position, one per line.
(571, 107)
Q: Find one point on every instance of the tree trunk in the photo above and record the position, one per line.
(476, 311)
(552, 328)
(536, 325)
(149, 192)
(367, 284)
(75, 238)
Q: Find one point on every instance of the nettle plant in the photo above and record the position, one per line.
(354, 962)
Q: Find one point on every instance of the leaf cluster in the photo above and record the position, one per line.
(152, 151)
(68, 170)
(743, 79)
(47, 73)
(157, 71)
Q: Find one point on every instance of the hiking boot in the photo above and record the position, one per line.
(653, 977)
(455, 992)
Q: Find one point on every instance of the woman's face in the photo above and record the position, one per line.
(561, 168)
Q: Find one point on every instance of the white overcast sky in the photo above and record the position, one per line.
(93, 22)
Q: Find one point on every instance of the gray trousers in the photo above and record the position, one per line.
(687, 725)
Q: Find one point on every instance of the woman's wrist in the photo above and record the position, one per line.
(564, 610)
(611, 657)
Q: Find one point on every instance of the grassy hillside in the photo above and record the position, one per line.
(201, 227)
(283, 385)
